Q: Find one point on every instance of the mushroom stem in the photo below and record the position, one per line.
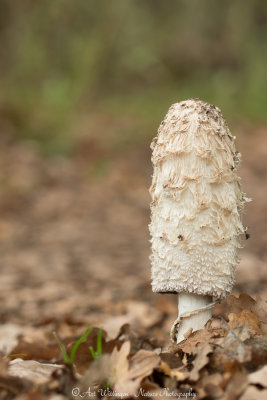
(196, 211)
(188, 314)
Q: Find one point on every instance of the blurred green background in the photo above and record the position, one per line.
(109, 70)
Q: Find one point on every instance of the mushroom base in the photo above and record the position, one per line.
(188, 304)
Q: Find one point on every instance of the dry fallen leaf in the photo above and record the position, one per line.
(179, 375)
(171, 359)
(188, 333)
(9, 334)
(36, 350)
(200, 361)
(36, 394)
(137, 340)
(259, 377)
(253, 393)
(235, 349)
(97, 374)
(32, 370)
(165, 368)
(211, 385)
(138, 314)
(260, 309)
(236, 386)
(127, 375)
(8, 337)
(201, 336)
(244, 301)
(120, 362)
(237, 304)
(124, 374)
(83, 357)
(242, 332)
(245, 317)
(216, 379)
(213, 391)
(3, 366)
(14, 386)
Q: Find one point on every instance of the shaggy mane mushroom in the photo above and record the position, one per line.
(196, 210)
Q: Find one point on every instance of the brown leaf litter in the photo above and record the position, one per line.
(226, 360)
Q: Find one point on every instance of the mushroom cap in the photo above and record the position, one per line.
(197, 202)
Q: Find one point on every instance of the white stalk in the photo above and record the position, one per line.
(188, 302)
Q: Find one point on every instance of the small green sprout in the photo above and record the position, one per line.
(107, 385)
(96, 355)
(70, 359)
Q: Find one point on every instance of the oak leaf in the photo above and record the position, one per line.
(235, 349)
(127, 374)
(245, 317)
(200, 361)
(201, 336)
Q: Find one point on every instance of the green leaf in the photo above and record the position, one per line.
(63, 350)
(94, 355)
(99, 342)
(78, 343)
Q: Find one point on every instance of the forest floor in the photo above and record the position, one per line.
(74, 253)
